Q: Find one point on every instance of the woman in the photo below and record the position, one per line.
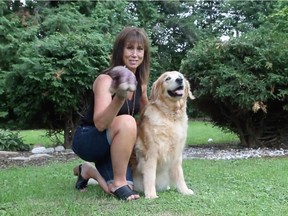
(108, 131)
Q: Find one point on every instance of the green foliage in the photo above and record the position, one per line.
(51, 51)
(246, 15)
(209, 15)
(242, 70)
(52, 77)
(10, 35)
(242, 84)
(64, 19)
(111, 16)
(10, 141)
(55, 72)
(174, 32)
(278, 20)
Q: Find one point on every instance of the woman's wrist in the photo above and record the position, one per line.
(120, 98)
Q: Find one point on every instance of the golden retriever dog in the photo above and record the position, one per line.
(162, 131)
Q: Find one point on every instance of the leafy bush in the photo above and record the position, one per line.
(10, 141)
(242, 84)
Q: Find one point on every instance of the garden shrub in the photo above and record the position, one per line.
(11, 141)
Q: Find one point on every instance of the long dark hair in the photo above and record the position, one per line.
(132, 34)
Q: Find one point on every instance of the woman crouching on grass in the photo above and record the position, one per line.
(108, 131)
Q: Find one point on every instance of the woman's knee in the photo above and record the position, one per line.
(124, 123)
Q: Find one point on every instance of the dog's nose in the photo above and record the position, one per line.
(179, 80)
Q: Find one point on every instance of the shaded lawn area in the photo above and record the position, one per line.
(236, 187)
(198, 134)
(200, 131)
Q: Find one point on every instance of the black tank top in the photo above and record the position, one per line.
(87, 119)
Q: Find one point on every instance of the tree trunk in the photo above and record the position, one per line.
(69, 132)
(254, 129)
(264, 131)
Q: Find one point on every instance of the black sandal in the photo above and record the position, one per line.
(124, 192)
(81, 183)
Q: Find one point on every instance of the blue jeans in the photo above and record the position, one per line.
(94, 146)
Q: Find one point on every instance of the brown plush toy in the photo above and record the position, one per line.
(123, 81)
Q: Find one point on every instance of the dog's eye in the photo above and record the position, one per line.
(168, 78)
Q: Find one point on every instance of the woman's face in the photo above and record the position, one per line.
(133, 55)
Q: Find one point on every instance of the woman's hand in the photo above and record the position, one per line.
(123, 80)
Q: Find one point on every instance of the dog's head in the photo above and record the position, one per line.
(171, 86)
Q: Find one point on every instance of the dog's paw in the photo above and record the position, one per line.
(151, 196)
(123, 80)
(187, 192)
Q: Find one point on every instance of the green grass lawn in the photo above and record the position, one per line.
(198, 133)
(234, 187)
(237, 187)
(35, 137)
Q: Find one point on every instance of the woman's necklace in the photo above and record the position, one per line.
(133, 107)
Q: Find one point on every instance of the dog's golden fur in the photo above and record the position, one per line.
(162, 131)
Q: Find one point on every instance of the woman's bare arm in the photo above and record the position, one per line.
(144, 98)
(105, 108)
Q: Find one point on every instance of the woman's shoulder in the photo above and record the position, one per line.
(102, 79)
(103, 76)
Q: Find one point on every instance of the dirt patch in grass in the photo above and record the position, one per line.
(23, 159)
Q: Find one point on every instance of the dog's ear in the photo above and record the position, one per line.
(188, 90)
(155, 90)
